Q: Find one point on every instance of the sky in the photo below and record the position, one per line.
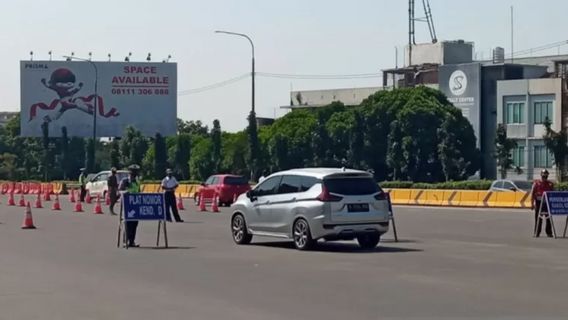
(300, 37)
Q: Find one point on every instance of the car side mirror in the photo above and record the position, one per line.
(514, 189)
(251, 195)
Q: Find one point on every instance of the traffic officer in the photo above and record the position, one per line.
(83, 184)
(169, 185)
(112, 184)
(539, 188)
(131, 185)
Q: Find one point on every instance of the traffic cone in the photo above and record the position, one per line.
(56, 206)
(88, 198)
(38, 202)
(22, 200)
(11, 201)
(72, 196)
(215, 205)
(202, 206)
(107, 199)
(28, 220)
(47, 196)
(180, 204)
(98, 209)
(78, 206)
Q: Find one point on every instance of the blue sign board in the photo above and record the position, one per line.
(144, 206)
(557, 203)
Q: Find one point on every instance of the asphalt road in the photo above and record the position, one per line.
(451, 263)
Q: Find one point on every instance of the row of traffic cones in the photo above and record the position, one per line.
(214, 205)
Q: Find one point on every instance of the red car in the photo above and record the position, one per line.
(225, 186)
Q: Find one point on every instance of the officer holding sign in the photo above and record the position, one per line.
(539, 188)
(131, 185)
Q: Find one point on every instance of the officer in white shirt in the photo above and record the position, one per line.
(169, 185)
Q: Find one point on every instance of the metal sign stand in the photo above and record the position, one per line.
(542, 216)
(123, 229)
(391, 218)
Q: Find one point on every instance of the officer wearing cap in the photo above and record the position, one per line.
(112, 184)
(131, 185)
(169, 185)
(83, 184)
(539, 188)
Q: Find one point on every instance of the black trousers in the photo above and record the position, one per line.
(171, 204)
(131, 227)
(83, 194)
(113, 197)
(538, 221)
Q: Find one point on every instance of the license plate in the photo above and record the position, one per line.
(359, 207)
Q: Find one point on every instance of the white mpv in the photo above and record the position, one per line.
(305, 205)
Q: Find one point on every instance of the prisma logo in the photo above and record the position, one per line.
(458, 83)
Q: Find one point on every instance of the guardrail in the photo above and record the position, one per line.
(460, 198)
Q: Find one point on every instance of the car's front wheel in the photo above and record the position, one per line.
(239, 230)
(302, 235)
(368, 241)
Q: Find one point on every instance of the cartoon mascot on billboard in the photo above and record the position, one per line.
(63, 83)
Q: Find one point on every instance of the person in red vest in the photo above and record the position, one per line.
(538, 189)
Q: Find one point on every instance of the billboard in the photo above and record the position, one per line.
(461, 83)
(62, 94)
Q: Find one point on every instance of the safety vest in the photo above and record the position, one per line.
(82, 179)
(540, 187)
(133, 186)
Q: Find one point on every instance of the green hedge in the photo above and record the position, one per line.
(452, 185)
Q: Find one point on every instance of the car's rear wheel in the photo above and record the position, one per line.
(239, 230)
(302, 235)
(368, 240)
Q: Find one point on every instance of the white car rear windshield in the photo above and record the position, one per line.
(352, 186)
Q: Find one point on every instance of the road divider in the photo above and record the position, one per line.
(459, 198)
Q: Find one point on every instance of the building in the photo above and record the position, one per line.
(6, 116)
(320, 98)
(524, 105)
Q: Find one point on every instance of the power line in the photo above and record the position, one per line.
(230, 81)
(214, 85)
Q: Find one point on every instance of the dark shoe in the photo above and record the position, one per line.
(550, 235)
(179, 220)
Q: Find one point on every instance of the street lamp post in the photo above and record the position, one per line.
(252, 46)
(253, 135)
(95, 107)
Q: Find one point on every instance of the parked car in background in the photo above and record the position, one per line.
(225, 186)
(511, 186)
(305, 205)
(97, 185)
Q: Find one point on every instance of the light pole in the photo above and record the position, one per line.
(253, 134)
(95, 107)
(252, 46)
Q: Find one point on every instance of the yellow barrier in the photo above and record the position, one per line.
(432, 198)
(507, 200)
(400, 196)
(468, 198)
(522, 199)
(488, 199)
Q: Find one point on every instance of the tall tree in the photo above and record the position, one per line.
(395, 157)
(254, 149)
(503, 148)
(160, 156)
(216, 138)
(557, 144)
(320, 143)
(182, 155)
(357, 141)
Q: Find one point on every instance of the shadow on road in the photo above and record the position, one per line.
(338, 247)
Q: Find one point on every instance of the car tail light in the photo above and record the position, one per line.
(381, 196)
(325, 196)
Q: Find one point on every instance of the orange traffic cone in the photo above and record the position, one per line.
(22, 200)
(56, 206)
(98, 209)
(88, 198)
(215, 205)
(72, 196)
(38, 202)
(28, 220)
(180, 204)
(202, 206)
(11, 201)
(107, 200)
(78, 206)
